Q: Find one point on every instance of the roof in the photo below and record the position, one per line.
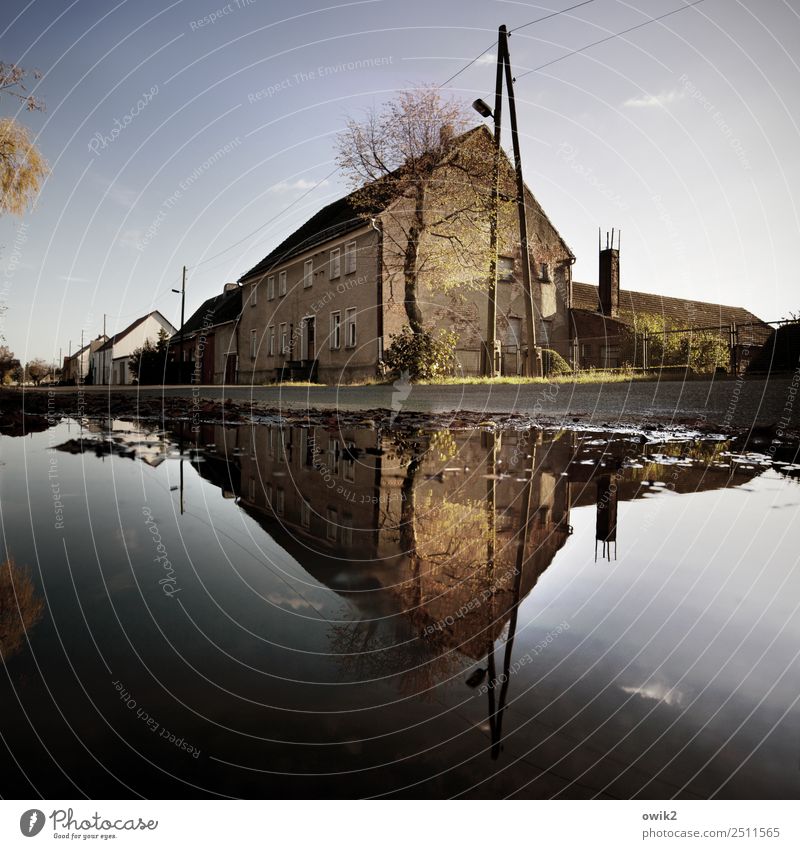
(679, 311)
(219, 309)
(333, 220)
(344, 215)
(89, 347)
(118, 337)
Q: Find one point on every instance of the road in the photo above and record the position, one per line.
(726, 402)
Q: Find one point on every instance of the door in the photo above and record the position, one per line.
(208, 360)
(230, 369)
(307, 341)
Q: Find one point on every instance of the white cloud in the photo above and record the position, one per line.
(659, 692)
(487, 59)
(659, 100)
(297, 185)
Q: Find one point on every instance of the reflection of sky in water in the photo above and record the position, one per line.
(678, 666)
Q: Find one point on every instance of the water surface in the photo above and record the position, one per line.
(272, 611)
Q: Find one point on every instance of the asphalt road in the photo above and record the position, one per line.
(725, 402)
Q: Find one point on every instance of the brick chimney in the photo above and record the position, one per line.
(609, 279)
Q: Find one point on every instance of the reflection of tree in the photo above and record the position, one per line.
(20, 607)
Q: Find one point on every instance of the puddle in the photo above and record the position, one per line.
(269, 611)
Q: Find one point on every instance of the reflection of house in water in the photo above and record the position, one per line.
(437, 538)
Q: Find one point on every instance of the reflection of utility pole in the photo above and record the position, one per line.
(496, 711)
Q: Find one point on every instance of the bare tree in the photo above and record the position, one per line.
(22, 167)
(416, 163)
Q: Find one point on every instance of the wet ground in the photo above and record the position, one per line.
(330, 611)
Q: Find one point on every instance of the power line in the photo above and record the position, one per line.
(268, 221)
(521, 26)
(608, 38)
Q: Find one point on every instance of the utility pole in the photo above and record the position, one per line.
(180, 332)
(533, 363)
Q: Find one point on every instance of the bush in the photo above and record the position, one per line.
(422, 356)
(553, 364)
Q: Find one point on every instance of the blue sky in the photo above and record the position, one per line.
(175, 130)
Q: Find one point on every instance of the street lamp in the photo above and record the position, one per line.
(482, 108)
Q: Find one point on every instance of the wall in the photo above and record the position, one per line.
(357, 289)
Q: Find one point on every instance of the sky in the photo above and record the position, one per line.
(202, 133)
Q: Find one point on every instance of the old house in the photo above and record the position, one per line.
(327, 300)
(77, 367)
(207, 344)
(110, 360)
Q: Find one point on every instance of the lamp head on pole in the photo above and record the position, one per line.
(482, 108)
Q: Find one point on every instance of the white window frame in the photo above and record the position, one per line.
(270, 287)
(333, 456)
(308, 273)
(254, 294)
(349, 472)
(283, 339)
(305, 512)
(253, 344)
(281, 283)
(336, 263)
(280, 500)
(336, 330)
(271, 340)
(350, 325)
(350, 257)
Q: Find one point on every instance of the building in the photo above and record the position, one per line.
(326, 301)
(77, 366)
(602, 316)
(109, 362)
(207, 344)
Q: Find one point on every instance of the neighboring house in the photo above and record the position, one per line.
(110, 361)
(327, 300)
(208, 342)
(77, 367)
(602, 314)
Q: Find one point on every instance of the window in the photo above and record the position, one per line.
(505, 268)
(336, 263)
(309, 446)
(254, 294)
(270, 288)
(268, 494)
(349, 471)
(305, 513)
(350, 327)
(271, 340)
(282, 283)
(546, 272)
(333, 456)
(308, 273)
(253, 344)
(332, 524)
(280, 501)
(251, 489)
(284, 340)
(346, 536)
(350, 257)
(336, 331)
(586, 349)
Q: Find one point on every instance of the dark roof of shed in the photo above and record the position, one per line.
(680, 311)
(227, 306)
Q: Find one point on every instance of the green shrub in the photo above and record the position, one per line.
(422, 356)
(553, 364)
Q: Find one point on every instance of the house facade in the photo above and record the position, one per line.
(77, 368)
(326, 302)
(207, 345)
(110, 361)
